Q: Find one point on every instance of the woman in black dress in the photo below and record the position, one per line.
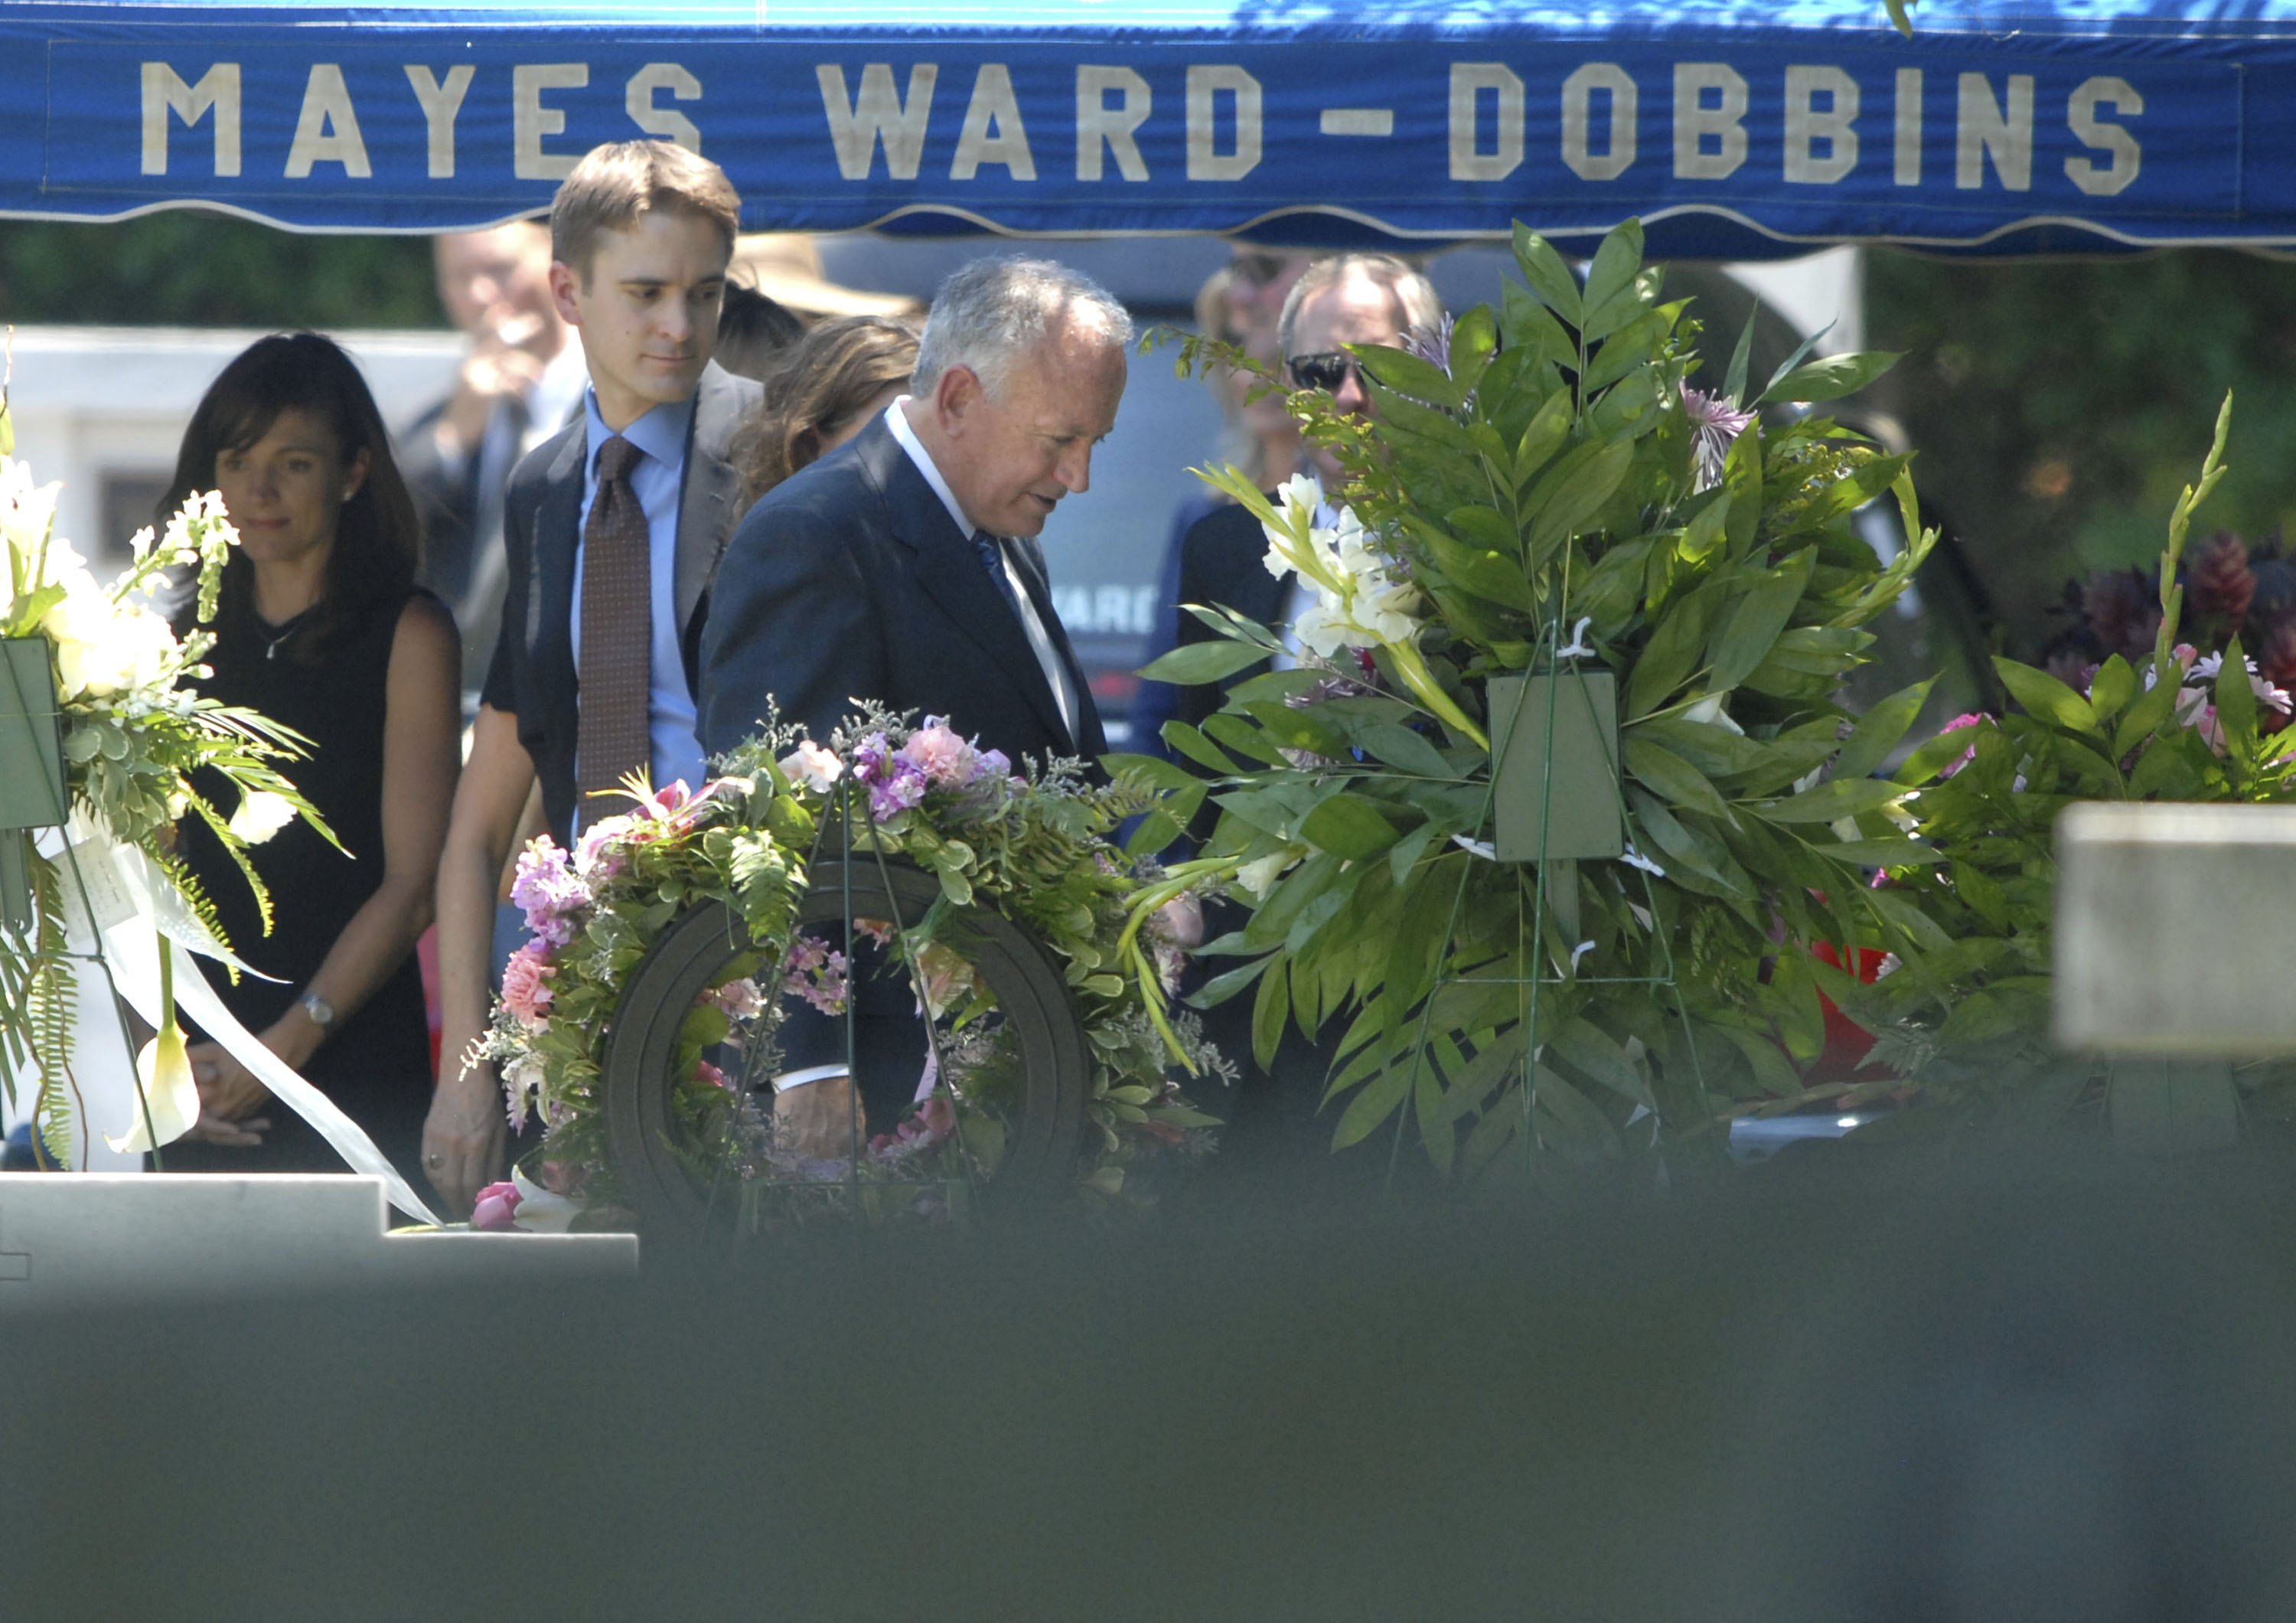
(320, 626)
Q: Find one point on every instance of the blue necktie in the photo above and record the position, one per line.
(992, 558)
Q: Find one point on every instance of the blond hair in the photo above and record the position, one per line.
(614, 184)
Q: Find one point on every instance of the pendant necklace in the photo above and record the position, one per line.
(273, 636)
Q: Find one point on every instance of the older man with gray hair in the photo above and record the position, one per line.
(904, 568)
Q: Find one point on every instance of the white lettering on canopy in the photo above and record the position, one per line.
(638, 99)
(440, 104)
(1807, 127)
(164, 92)
(877, 113)
(1578, 118)
(1907, 168)
(1695, 123)
(327, 130)
(1983, 128)
(2080, 115)
(530, 120)
(1115, 128)
(1207, 83)
(1468, 160)
(993, 132)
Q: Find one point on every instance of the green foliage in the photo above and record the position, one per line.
(2054, 402)
(1546, 489)
(1966, 1015)
(184, 268)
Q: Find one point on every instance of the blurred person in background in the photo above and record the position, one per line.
(754, 332)
(785, 267)
(520, 380)
(1240, 304)
(827, 387)
(321, 628)
(1350, 299)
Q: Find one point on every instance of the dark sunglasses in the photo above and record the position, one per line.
(1257, 269)
(1326, 369)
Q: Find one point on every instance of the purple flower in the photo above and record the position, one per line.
(902, 787)
(1432, 344)
(812, 972)
(549, 891)
(1715, 423)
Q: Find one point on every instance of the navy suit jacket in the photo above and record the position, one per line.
(850, 580)
(533, 673)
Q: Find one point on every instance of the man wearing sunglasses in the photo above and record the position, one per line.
(1350, 298)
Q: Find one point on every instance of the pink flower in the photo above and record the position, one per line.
(947, 761)
(592, 858)
(737, 999)
(812, 766)
(1975, 718)
(703, 1071)
(497, 1208)
(526, 984)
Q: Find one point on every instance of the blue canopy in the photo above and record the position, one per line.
(1733, 130)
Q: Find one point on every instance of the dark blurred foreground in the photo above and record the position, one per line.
(1856, 1387)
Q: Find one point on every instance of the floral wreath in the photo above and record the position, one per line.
(1032, 848)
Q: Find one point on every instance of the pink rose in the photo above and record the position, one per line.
(497, 1208)
(703, 1071)
(526, 984)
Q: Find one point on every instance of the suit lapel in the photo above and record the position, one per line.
(705, 506)
(951, 572)
(557, 522)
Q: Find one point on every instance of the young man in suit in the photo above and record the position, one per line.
(611, 530)
(903, 567)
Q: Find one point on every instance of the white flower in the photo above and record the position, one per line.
(169, 1095)
(260, 815)
(1709, 710)
(28, 512)
(817, 769)
(1259, 877)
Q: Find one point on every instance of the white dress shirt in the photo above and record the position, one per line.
(1040, 642)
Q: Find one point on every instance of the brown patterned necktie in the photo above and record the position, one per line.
(617, 629)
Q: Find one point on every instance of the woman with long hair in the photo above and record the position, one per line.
(827, 386)
(320, 626)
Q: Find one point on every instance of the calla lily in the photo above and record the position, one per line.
(169, 1093)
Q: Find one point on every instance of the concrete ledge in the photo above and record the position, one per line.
(2176, 929)
(88, 1239)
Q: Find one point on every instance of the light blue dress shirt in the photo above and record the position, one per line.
(658, 478)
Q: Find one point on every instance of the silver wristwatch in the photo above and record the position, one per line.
(322, 1012)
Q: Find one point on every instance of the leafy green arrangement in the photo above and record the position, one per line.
(132, 739)
(1032, 848)
(1967, 1014)
(1543, 489)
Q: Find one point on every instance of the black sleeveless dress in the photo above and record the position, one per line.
(375, 1063)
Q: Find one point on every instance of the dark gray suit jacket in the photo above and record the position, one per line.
(851, 580)
(533, 675)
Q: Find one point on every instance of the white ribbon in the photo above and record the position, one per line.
(132, 899)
